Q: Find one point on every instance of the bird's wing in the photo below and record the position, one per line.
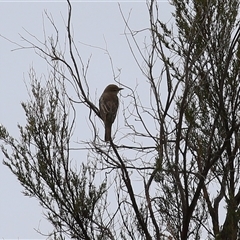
(109, 108)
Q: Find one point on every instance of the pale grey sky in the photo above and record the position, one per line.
(97, 23)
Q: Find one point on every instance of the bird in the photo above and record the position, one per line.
(108, 106)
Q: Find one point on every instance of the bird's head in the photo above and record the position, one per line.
(112, 88)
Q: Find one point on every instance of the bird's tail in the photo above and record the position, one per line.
(107, 133)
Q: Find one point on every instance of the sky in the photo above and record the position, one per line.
(96, 24)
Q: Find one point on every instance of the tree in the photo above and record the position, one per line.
(191, 166)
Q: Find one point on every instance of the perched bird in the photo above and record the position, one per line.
(108, 105)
